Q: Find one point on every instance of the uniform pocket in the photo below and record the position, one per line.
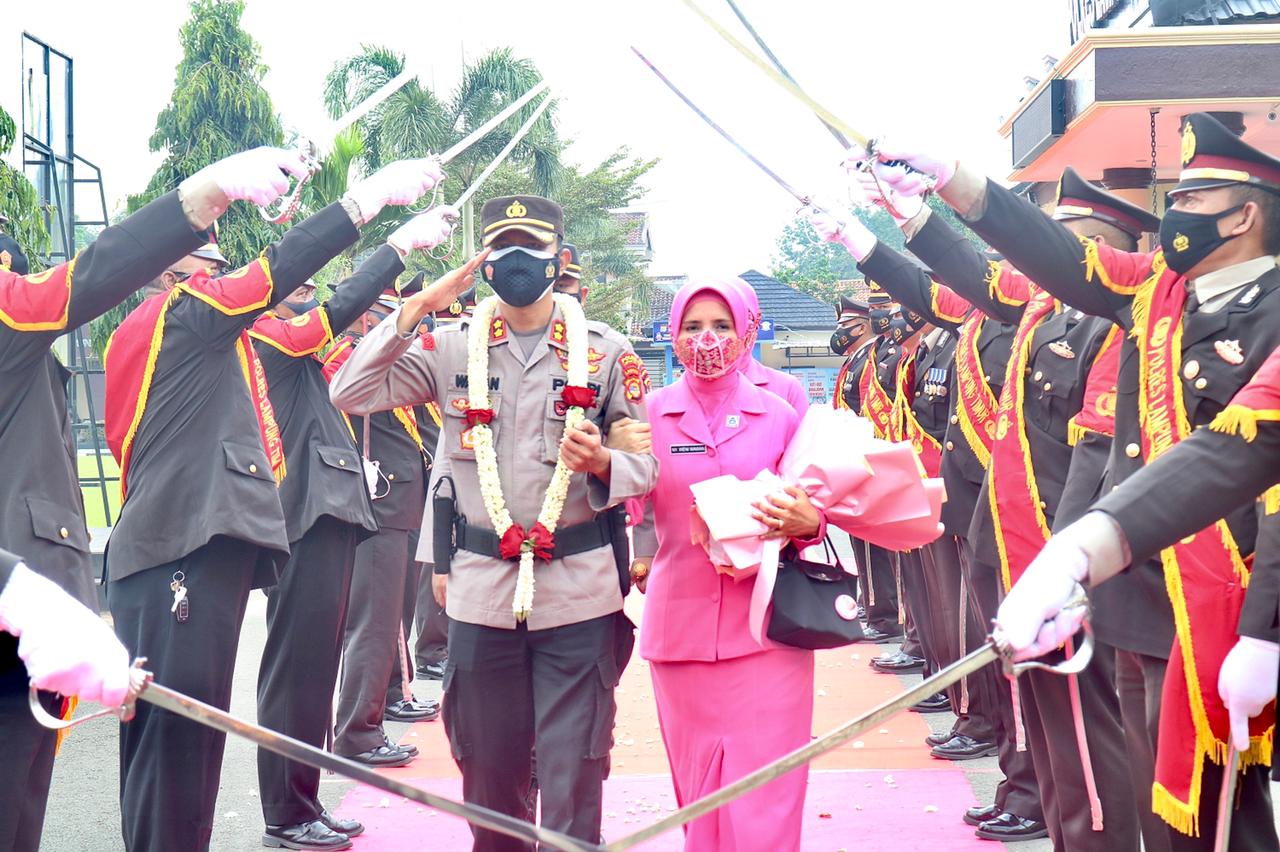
(457, 434)
(58, 524)
(250, 461)
(339, 458)
(606, 710)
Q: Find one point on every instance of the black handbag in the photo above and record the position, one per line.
(815, 605)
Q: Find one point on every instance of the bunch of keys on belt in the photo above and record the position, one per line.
(180, 607)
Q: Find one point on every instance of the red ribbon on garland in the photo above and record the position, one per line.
(515, 540)
(479, 415)
(578, 397)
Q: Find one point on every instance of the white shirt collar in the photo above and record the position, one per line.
(1222, 282)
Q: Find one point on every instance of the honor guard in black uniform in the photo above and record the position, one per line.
(41, 507)
(201, 524)
(522, 675)
(327, 512)
(1202, 315)
(570, 281)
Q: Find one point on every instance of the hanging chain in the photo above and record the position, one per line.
(1155, 197)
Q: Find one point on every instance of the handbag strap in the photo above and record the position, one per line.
(762, 591)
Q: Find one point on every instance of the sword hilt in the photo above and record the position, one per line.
(1072, 665)
(139, 679)
(286, 207)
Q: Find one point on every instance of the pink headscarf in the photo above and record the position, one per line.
(744, 308)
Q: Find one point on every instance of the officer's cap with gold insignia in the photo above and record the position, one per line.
(1079, 199)
(847, 309)
(401, 290)
(540, 217)
(573, 269)
(459, 307)
(1213, 156)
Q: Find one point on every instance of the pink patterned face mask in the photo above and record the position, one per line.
(708, 355)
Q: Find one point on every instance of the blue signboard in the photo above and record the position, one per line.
(766, 330)
(662, 331)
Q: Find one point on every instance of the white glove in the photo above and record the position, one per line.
(930, 171)
(1033, 618)
(853, 235)
(426, 230)
(260, 175)
(66, 647)
(901, 207)
(1247, 683)
(402, 182)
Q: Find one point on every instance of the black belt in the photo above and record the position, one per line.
(568, 541)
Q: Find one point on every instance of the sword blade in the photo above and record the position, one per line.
(840, 137)
(363, 108)
(803, 199)
(827, 116)
(212, 717)
(484, 129)
(1226, 801)
(962, 667)
(504, 153)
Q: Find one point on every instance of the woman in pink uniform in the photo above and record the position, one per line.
(726, 705)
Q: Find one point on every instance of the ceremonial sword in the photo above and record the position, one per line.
(289, 205)
(143, 687)
(1226, 800)
(840, 137)
(803, 199)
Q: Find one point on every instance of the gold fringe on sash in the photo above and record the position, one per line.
(1242, 420)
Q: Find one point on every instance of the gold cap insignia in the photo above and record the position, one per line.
(455, 308)
(516, 210)
(1188, 143)
(1181, 242)
(551, 269)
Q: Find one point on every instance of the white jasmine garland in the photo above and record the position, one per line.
(482, 436)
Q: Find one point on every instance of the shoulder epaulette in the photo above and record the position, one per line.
(37, 302)
(245, 290)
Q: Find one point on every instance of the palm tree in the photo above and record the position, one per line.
(415, 122)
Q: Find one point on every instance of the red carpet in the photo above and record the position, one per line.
(887, 771)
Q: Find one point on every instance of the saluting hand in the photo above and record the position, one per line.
(788, 515)
(439, 295)
(630, 436)
(583, 450)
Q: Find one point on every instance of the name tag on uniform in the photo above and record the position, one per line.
(686, 449)
(732, 421)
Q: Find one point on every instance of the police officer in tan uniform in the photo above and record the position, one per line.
(546, 681)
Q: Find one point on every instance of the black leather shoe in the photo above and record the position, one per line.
(349, 827)
(977, 816)
(432, 671)
(307, 835)
(408, 748)
(938, 739)
(936, 703)
(897, 663)
(1011, 827)
(405, 710)
(878, 637)
(382, 756)
(961, 747)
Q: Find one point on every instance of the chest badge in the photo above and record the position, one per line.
(1229, 351)
(1062, 349)
(733, 421)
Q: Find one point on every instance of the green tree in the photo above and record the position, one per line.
(810, 264)
(218, 108)
(416, 122)
(28, 224)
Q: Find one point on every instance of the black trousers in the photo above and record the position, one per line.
(306, 614)
(169, 766)
(26, 754)
(879, 587)
(919, 606)
(946, 590)
(1018, 793)
(432, 645)
(509, 692)
(375, 612)
(1047, 709)
(1141, 680)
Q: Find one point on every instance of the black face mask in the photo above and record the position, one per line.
(520, 276)
(914, 321)
(302, 307)
(880, 320)
(1188, 238)
(899, 330)
(842, 341)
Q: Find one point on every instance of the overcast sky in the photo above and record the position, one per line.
(939, 71)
